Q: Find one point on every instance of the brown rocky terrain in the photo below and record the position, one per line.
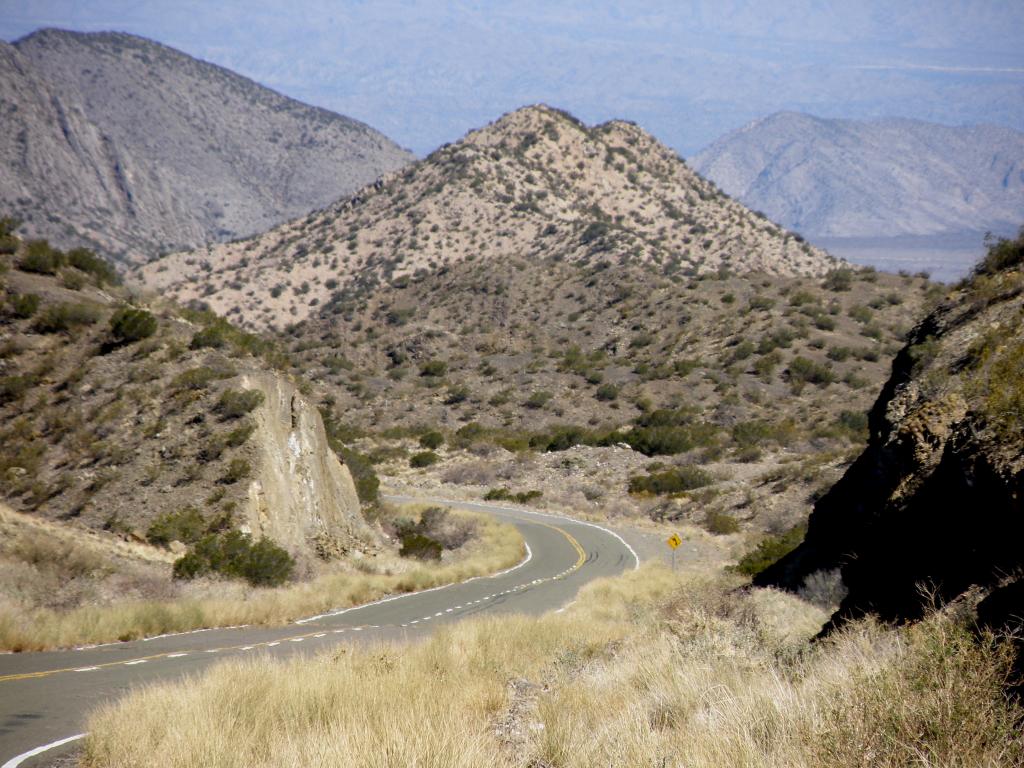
(536, 184)
(932, 507)
(136, 148)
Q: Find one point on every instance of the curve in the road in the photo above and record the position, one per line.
(46, 696)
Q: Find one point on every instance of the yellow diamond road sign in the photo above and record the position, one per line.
(674, 540)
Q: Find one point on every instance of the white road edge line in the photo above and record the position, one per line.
(518, 510)
(14, 762)
(332, 614)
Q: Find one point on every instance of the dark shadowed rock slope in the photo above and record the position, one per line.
(934, 504)
(880, 178)
(136, 147)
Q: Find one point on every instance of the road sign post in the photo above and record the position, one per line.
(673, 542)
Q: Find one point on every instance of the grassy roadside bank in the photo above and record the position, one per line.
(495, 547)
(648, 669)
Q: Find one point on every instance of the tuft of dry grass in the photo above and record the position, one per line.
(28, 628)
(649, 669)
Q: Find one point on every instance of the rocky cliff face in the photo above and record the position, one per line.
(933, 506)
(301, 495)
(138, 148)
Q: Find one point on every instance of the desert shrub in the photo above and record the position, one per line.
(363, 475)
(449, 531)
(129, 324)
(758, 432)
(854, 422)
(86, 261)
(238, 469)
(607, 392)
(761, 303)
(8, 240)
(431, 440)
(421, 547)
(239, 435)
(40, 257)
(803, 371)
(456, 394)
(13, 387)
(24, 305)
(561, 438)
(505, 494)
(213, 336)
(670, 440)
(839, 279)
(765, 365)
(1002, 254)
(64, 317)
(186, 525)
(721, 523)
(861, 313)
(538, 399)
(423, 459)
(675, 480)
(233, 554)
(199, 378)
(235, 403)
(770, 550)
(434, 368)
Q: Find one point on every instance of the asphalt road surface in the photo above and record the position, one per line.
(46, 697)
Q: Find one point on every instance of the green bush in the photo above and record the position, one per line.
(607, 392)
(238, 469)
(213, 336)
(505, 494)
(770, 550)
(40, 257)
(431, 440)
(421, 547)
(676, 480)
(128, 325)
(365, 478)
(198, 378)
(1002, 255)
(239, 435)
(86, 261)
(802, 371)
(839, 279)
(186, 525)
(8, 240)
(434, 368)
(423, 459)
(233, 554)
(235, 403)
(63, 317)
(721, 523)
(538, 399)
(13, 387)
(24, 305)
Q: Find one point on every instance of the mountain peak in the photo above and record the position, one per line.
(535, 184)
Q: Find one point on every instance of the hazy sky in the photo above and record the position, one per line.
(426, 72)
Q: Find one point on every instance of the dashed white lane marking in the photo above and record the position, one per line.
(179, 655)
(319, 634)
(246, 648)
(440, 613)
(415, 621)
(133, 663)
(447, 610)
(567, 605)
(212, 650)
(338, 631)
(357, 629)
(14, 762)
(271, 645)
(86, 669)
(296, 639)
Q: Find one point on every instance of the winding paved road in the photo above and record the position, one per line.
(45, 697)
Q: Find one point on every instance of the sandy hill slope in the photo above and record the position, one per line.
(882, 178)
(136, 148)
(535, 184)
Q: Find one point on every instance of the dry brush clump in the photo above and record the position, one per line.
(648, 669)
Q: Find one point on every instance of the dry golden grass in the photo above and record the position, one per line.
(498, 546)
(651, 669)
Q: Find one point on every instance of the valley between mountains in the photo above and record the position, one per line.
(419, 435)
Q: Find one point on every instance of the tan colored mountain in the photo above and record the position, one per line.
(136, 148)
(536, 184)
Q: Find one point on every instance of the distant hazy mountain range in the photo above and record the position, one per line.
(136, 147)
(884, 178)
